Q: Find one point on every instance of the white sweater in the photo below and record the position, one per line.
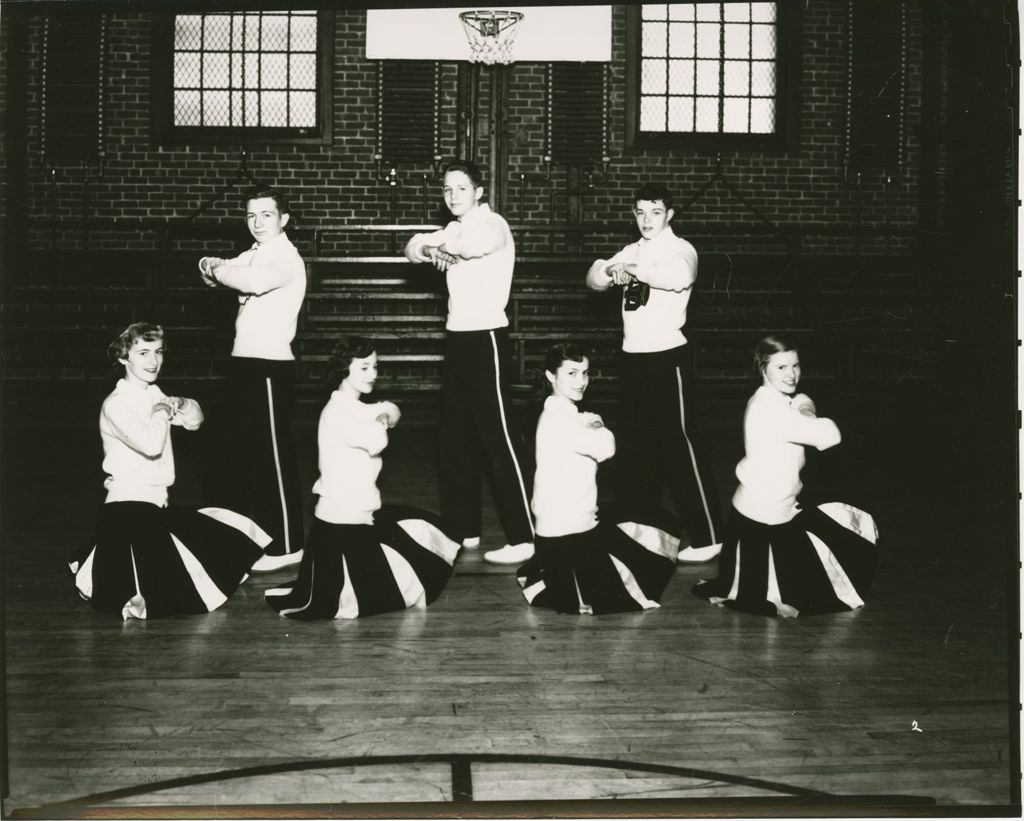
(774, 436)
(478, 287)
(565, 483)
(668, 264)
(351, 441)
(271, 281)
(137, 454)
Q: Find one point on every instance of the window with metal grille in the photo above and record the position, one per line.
(259, 71)
(709, 69)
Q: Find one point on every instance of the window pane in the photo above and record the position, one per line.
(186, 70)
(215, 70)
(737, 12)
(737, 42)
(708, 11)
(274, 108)
(652, 113)
(707, 114)
(682, 39)
(737, 79)
(763, 80)
(304, 33)
(653, 78)
(251, 27)
(708, 40)
(762, 42)
(680, 114)
(654, 11)
(275, 33)
(707, 77)
(252, 108)
(186, 108)
(680, 77)
(303, 108)
(303, 71)
(762, 12)
(653, 37)
(216, 108)
(762, 116)
(734, 116)
(217, 32)
(274, 71)
(188, 30)
(682, 11)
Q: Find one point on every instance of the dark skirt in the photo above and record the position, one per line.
(404, 559)
(149, 561)
(619, 566)
(822, 561)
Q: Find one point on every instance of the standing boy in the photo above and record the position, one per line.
(477, 254)
(655, 435)
(259, 475)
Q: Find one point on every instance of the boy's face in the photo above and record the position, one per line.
(264, 220)
(143, 363)
(652, 217)
(460, 195)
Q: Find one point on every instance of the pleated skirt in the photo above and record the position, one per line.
(404, 559)
(148, 561)
(822, 561)
(619, 566)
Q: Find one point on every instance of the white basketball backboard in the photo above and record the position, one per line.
(546, 34)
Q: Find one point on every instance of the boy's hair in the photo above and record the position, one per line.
(653, 191)
(260, 191)
(146, 331)
(347, 349)
(767, 348)
(470, 169)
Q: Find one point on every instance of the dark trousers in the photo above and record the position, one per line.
(657, 447)
(477, 431)
(256, 473)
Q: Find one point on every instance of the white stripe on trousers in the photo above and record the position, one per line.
(693, 459)
(277, 466)
(504, 428)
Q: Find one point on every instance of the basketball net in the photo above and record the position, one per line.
(491, 34)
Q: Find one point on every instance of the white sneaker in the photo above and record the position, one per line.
(699, 554)
(269, 562)
(510, 554)
(472, 543)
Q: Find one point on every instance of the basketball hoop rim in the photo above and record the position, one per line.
(503, 17)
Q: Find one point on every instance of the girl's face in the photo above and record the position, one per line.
(143, 363)
(571, 379)
(783, 372)
(362, 373)
(460, 195)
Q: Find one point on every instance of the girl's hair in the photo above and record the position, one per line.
(146, 331)
(768, 347)
(347, 349)
(470, 169)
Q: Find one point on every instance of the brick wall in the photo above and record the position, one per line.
(338, 183)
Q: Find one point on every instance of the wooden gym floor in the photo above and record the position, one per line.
(907, 707)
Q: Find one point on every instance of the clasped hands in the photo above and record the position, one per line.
(389, 414)
(207, 267)
(442, 259)
(622, 273)
(170, 405)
